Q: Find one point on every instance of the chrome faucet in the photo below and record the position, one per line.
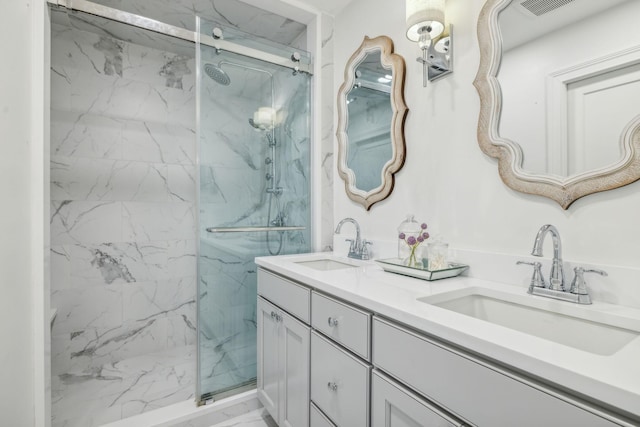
(556, 289)
(358, 248)
(556, 279)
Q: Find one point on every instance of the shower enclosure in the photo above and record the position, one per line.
(177, 157)
(254, 159)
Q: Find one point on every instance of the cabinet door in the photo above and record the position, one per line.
(394, 406)
(268, 357)
(294, 362)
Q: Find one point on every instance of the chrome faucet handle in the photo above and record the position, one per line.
(365, 251)
(537, 279)
(352, 246)
(578, 285)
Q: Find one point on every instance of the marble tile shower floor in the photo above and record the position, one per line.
(123, 389)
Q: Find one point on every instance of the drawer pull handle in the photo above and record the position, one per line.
(332, 386)
(332, 321)
(275, 316)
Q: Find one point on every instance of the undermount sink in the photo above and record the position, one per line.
(588, 330)
(325, 264)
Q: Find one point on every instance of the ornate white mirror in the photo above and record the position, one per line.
(559, 84)
(371, 115)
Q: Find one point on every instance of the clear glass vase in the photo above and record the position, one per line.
(411, 255)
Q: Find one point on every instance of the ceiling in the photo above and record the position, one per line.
(332, 7)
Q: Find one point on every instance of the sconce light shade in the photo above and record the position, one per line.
(423, 14)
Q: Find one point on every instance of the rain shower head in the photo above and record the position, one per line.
(217, 74)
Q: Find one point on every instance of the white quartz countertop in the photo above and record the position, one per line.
(611, 380)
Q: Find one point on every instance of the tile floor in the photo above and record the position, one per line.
(257, 418)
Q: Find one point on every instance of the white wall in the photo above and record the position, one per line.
(448, 182)
(23, 367)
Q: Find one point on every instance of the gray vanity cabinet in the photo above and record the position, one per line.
(323, 362)
(283, 350)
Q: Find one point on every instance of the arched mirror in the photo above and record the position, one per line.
(559, 83)
(371, 115)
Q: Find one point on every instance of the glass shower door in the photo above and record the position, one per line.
(254, 200)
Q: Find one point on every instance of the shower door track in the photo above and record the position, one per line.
(177, 32)
(252, 229)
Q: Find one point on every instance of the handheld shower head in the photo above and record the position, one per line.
(257, 127)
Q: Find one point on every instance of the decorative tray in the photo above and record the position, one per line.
(394, 265)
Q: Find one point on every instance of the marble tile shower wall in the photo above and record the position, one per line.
(123, 205)
(326, 179)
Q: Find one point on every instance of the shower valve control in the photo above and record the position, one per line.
(268, 176)
(268, 161)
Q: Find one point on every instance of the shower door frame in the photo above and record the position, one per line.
(180, 33)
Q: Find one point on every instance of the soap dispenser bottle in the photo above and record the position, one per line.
(407, 228)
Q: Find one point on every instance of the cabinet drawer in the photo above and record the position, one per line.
(346, 325)
(285, 294)
(392, 405)
(318, 419)
(481, 394)
(339, 384)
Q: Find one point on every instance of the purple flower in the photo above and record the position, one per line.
(411, 240)
(401, 236)
(420, 239)
(423, 226)
(425, 235)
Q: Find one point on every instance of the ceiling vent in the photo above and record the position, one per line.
(540, 7)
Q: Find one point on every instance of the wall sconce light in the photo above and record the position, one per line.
(425, 25)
